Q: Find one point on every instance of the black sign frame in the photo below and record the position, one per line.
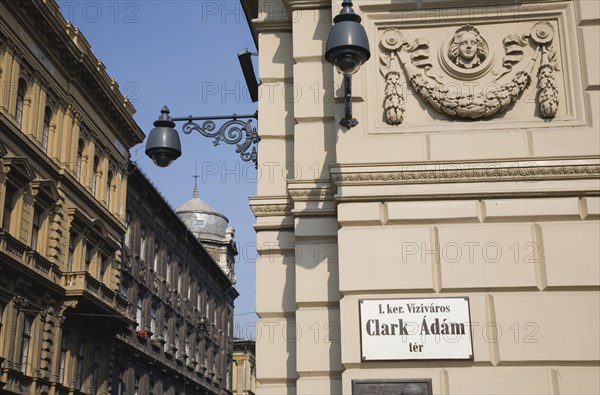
(392, 387)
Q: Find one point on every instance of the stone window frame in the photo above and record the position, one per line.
(45, 197)
(19, 175)
(92, 235)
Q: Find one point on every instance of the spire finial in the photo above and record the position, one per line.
(196, 175)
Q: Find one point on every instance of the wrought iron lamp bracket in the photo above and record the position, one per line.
(238, 131)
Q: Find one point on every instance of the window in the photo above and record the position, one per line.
(46, 128)
(156, 253)
(79, 369)
(165, 334)
(102, 260)
(206, 351)
(151, 389)
(143, 244)
(121, 383)
(63, 357)
(79, 160)
(95, 369)
(120, 387)
(71, 252)
(169, 268)
(109, 181)
(153, 319)
(179, 281)
(95, 175)
(35, 230)
(123, 289)
(198, 355)
(187, 345)
(9, 206)
(128, 231)
(25, 340)
(20, 101)
(138, 311)
(88, 256)
(177, 346)
(136, 387)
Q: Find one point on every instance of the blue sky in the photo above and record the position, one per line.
(184, 54)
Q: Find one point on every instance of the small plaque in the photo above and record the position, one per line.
(392, 387)
(415, 329)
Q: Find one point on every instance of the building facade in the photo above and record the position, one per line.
(473, 173)
(65, 132)
(97, 295)
(181, 299)
(244, 367)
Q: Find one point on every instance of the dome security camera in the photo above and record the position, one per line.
(347, 46)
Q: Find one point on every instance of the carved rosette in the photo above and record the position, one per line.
(466, 55)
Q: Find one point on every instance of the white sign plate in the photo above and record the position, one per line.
(434, 328)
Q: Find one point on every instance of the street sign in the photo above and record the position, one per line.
(411, 329)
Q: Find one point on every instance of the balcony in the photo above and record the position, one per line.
(95, 297)
(29, 258)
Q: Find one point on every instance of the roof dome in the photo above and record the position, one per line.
(202, 219)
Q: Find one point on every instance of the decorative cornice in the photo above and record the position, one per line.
(318, 193)
(294, 5)
(489, 174)
(272, 209)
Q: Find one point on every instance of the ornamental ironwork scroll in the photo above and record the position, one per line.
(466, 55)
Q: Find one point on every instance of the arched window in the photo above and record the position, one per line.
(79, 159)
(108, 184)
(95, 175)
(46, 128)
(20, 100)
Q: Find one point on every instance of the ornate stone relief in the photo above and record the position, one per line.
(466, 55)
(525, 172)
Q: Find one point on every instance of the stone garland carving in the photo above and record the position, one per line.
(467, 57)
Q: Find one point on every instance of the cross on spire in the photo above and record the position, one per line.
(196, 175)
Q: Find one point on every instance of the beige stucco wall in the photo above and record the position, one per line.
(503, 210)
